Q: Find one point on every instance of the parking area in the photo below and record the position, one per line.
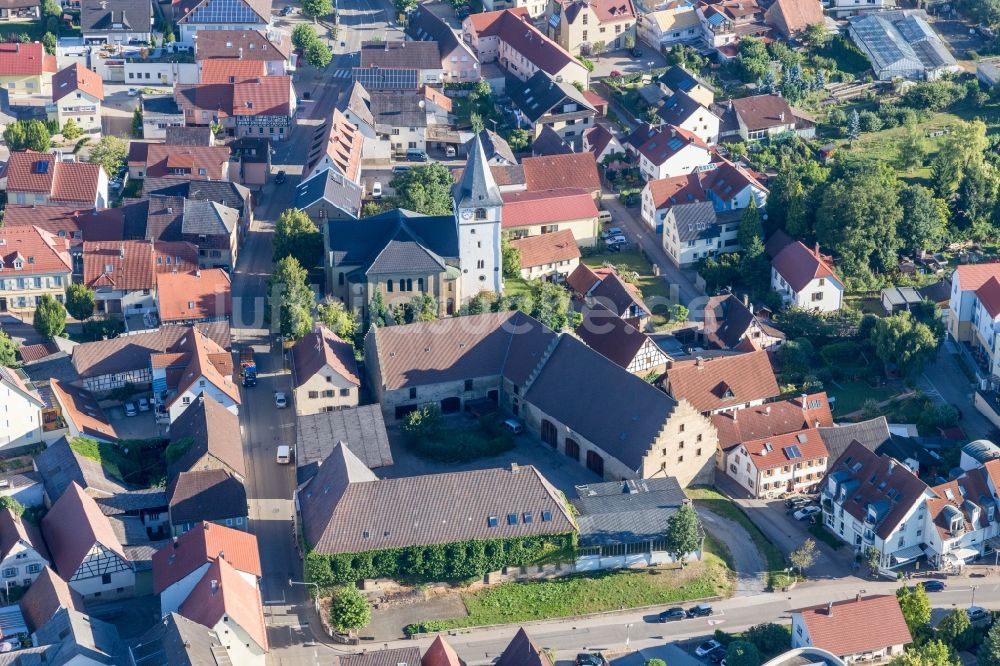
(961, 38)
(623, 61)
(140, 426)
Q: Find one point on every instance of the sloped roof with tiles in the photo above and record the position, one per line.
(855, 626)
(206, 494)
(177, 641)
(486, 24)
(130, 352)
(606, 11)
(536, 48)
(32, 251)
(17, 59)
(223, 592)
(80, 407)
(787, 449)
(395, 54)
(342, 142)
(989, 296)
(132, 265)
(728, 321)
(15, 378)
(522, 209)
(793, 16)
(761, 112)
(727, 180)
(76, 78)
(14, 530)
(617, 295)
(772, 419)
(224, 70)
(554, 172)
(46, 595)
(321, 348)
(200, 365)
(404, 656)
(972, 276)
(68, 221)
(548, 248)
(610, 335)
(799, 265)
(723, 381)
(440, 653)
(73, 526)
(522, 651)
(668, 141)
(541, 93)
(242, 44)
(346, 509)
(41, 173)
(162, 159)
(205, 543)
(265, 96)
(213, 431)
(59, 466)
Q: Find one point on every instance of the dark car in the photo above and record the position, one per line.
(280, 178)
(636, 52)
(933, 586)
(416, 156)
(672, 615)
(590, 659)
(701, 610)
(718, 655)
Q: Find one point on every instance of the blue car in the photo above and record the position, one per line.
(933, 586)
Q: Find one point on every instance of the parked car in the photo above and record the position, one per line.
(718, 655)
(612, 231)
(933, 586)
(977, 613)
(280, 400)
(143, 404)
(130, 409)
(806, 512)
(701, 610)
(132, 92)
(673, 614)
(400, 168)
(636, 52)
(280, 178)
(707, 647)
(413, 155)
(797, 503)
(590, 659)
(449, 151)
(615, 240)
(376, 190)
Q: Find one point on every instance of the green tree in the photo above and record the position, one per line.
(655, 662)
(976, 197)
(349, 610)
(853, 125)
(50, 317)
(904, 341)
(683, 533)
(71, 130)
(341, 321)
(795, 357)
(50, 43)
(424, 189)
(916, 608)
(422, 308)
(303, 35)
(318, 54)
(518, 140)
(925, 219)
(911, 148)
(742, 653)
(817, 35)
(930, 653)
(989, 651)
(652, 115)
(769, 638)
(955, 629)
(873, 559)
(290, 299)
(8, 351)
(511, 260)
(944, 175)
(794, 196)
(136, 122)
(804, 556)
(110, 152)
(296, 235)
(317, 8)
(27, 135)
(378, 314)
(550, 304)
(80, 301)
(15, 507)
(751, 231)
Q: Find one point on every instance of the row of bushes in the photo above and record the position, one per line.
(460, 561)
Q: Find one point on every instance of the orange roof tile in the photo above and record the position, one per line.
(17, 59)
(265, 96)
(723, 381)
(668, 192)
(772, 419)
(222, 592)
(224, 70)
(205, 542)
(32, 251)
(194, 295)
(73, 526)
(80, 407)
(799, 265)
(972, 276)
(547, 248)
(989, 296)
(212, 159)
(775, 451)
(553, 172)
(523, 209)
(68, 182)
(75, 78)
(854, 626)
(201, 349)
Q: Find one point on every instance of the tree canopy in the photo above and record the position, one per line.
(683, 532)
(902, 340)
(111, 153)
(341, 321)
(742, 653)
(290, 299)
(50, 317)
(349, 610)
(80, 301)
(28, 135)
(424, 189)
(916, 607)
(8, 351)
(296, 235)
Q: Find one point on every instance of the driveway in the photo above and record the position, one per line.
(140, 426)
(945, 382)
(747, 560)
(623, 62)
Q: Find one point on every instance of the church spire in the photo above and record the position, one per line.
(477, 187)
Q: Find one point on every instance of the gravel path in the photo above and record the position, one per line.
(749, 563)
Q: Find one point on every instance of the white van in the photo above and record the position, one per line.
(284, 455)
(514, 426)
(604, 217)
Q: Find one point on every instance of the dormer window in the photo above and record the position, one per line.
(18, 264)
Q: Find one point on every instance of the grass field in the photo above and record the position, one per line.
(655, 290)
(851, 396)
(591, 593)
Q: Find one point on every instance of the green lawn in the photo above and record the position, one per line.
(851, 396)
(464, 443)
(655, 290)
(721, 505)
(137, 462)
(589, 593)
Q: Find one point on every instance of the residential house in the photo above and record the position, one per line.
(723, 383)
(692, 231)
(60, 466)
(259, 106)
(603, 286)
(230, 195)
(977, 453)
(555, 172)
(159, 112)
(41, 179)
(401, 119)
(172, 637)
(777, 465)
(506, 37)
(84, 548)
(206, 495)
(215, 229)
(620, 342)
(223, 71)
(357, 109)
(109, 364)
(325, 375)
(668, 151)
(725, 22)
(458, 61)
(33, 264)
(964, 304)
(523, 651)
(762, 116)
(897, 299)
(81, 414)
(498, 152)
(532, 374)
(901, 44)
(527, 214)
(599, 141)
(193, 16)
(962, 518)
(731, 187)
(179, 566)
(208, 436)
(45, 597)
(541, 102)
(398, 65)
(791, 18)
(361, 428)
(72, 637)
(804, 278)
(116, 21)
(548, 255)
(842, 8)
(20, 410)
(731, 324)
(189, 216)
(872, 434)
(662, 29)
(77, 94)
(329, 195)
(21, 10)
(660, 195)
(273, 48)
(986, 318)
(186, 162)
(868, 628)
(677, 79)
(339, 147)
(194, 297)
(25, 69)
(585, 27)
(683, 111)
(23, 554)
(69, 222)
(206, 369)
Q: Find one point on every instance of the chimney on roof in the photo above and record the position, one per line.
(816, 249)
(781, 116)
(700, 362)
(514, 468)
(746, 300)
(121, 250)
(804, 401)
(767, 409)
(197, 273)
(858, 598)
(170, 209)
(222, 554)
(829, 608)
(892, 466)
(241, 53)
(673, 131)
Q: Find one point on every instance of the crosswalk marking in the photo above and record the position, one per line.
(342, 74)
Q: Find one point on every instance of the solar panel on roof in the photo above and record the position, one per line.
(792, 452)
(674, 144)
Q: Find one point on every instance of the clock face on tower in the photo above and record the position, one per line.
(466, 214)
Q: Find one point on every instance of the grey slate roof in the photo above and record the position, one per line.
(679, 107)
(332, 186)
(694, 221)
(177, 641)
(872, 434)
(556, 392)
(626, 511)
(160, 104)
(214, 431)
(400, 54)
(541, 93)
(677, 78)
(70, 633)
(353, 244)
(231, 195)
(132, 501)
(101, 15)
(346, 509)
(477, 187)
(495, 147)
(397, 109)
(405, 253)
(210, 495)
(548, 142)
(59, 466)
(188, 136)
(359, 102)
(425, 26)
(209, 218)
(361, 428)
(405, 656)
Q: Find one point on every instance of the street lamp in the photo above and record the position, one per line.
(299, 582)
(628, 634)
(974, 595)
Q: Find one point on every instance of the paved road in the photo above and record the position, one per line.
(944, 381)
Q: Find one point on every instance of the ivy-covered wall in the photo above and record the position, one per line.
(455, 561)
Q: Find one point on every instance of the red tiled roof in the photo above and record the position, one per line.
(727, 180)
(436, 97)
(547, 248)
(184, 296)
(224, 70)
(582, 279)
(773, 451)
(321, 348)
(522, 209)
(223, 592)
(989, 296)
(553, 172)
(973, 276)
(18, 59)
(38, 252)
(69, 222)
(855, 626)
(202, 348)
(723, 381)
(760, 112)
(62, 181)
(514, 29)
(80, 407)
(799, 265)
(226, 44)
(73, 526)
(440, 653)
(344, 144)
(205, 542)
(606, 11)
(32, 353)
(213, 159)
(266, 96)
(667, 192)
(667, 141)
(794, 15)
(485, 23)
(74, 78)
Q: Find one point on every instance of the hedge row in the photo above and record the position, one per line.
(456, 561)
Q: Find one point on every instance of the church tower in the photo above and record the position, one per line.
(478, 208)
